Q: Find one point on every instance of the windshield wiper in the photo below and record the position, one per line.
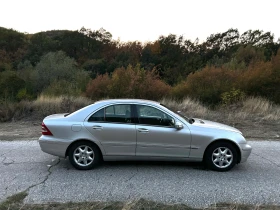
(191, 120)
(185, 117)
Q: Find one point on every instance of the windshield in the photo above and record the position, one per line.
(177, 112)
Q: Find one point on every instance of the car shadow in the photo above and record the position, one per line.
(142, 164)
(193, 165)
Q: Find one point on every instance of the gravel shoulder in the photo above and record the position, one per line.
(21, 130)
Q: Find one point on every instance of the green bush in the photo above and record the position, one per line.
(23, 95)
(56, 66)
(232, 96)
(62, 87)
(10, 85)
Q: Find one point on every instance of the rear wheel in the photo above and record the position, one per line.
(221, 156)
(84, 155)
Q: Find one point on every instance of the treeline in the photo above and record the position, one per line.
(224, 68)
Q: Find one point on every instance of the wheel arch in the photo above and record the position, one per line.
(238, 150)
(84, 140)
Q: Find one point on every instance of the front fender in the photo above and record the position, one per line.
(202, 138)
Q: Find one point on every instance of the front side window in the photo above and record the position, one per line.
(151, 116)
(120, 113)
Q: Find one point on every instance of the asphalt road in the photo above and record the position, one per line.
(50, 179)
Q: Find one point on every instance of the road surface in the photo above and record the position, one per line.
(23, 166)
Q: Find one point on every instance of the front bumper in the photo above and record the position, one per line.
(53, 146)
(246, 150)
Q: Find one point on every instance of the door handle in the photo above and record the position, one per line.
(96, 127)
(143, 130)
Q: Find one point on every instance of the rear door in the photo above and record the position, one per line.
(114, 127)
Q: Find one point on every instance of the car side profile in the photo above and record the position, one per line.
(133, 129)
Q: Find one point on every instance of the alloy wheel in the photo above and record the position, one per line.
(83, 155)
(222, 157)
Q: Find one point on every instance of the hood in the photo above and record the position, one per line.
(210, 124)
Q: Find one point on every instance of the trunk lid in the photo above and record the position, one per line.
(56, 116)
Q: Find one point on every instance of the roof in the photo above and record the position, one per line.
(127, 101)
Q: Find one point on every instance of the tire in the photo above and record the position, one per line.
(221, 156)
(84, 155)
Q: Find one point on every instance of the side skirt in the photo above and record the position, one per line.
(144, 158)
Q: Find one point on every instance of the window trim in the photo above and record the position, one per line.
(133, 119)
(137, 116)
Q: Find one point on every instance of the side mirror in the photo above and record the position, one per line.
(178, 125)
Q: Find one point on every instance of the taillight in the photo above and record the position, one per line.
(45, 130)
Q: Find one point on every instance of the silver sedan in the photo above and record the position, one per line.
(130, 129)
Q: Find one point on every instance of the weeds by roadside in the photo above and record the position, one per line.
(253, 109)
(41, 107)
(16, 202)
(250, 108)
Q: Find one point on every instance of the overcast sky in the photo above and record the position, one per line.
(143, 20)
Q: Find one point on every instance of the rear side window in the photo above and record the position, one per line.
(97, 116)
(120, 113)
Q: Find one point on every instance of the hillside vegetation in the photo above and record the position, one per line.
(225, 69)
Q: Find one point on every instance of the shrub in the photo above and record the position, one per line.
(56, 66)
(130, 82)
(232, 96)
(207, 85)
(62, 87)
(15, 110)
(10, 85)
(98, 87)
(23, 95)
(263, 79)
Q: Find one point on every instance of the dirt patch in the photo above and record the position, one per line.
(256, 129)
(260, 131)
(21, 130)
(31, 130)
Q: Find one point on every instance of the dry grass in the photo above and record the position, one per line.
(250, 108)
(15, 202)
(49, 105)
(261, 107)
(188, 106)
(253, 109)
(257, 118)
(41, 107)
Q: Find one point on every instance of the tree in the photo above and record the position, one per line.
(10, 85)
(12, 47)
(11, 40)
(56, 66)
(39, 45)
(256, 38)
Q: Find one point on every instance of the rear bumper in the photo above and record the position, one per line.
(245, 152)
(53, 146)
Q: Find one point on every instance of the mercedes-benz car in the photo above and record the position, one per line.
(134, 129)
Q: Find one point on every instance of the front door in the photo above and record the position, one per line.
(112, 126)
(157, 136)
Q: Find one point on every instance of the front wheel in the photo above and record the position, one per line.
(221, 156)
(84, 155)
